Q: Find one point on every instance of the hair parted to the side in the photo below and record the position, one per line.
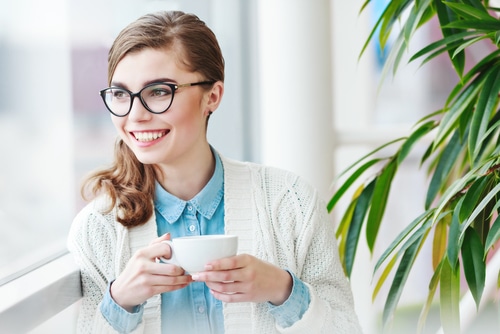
(129, 183)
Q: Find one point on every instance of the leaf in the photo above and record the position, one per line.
(415, 17)
(343, 227)
(352, 239)
(459, 184)
(465, 101)
(486, 26)
(393, 11)
(449, 299)
(377, 27)
(413, 138)
(493, 235)
(422, 219)
(468, 12)
(342, 230)
(367, 155)
(454, 239)
(346, 218)
(444, 44)
(473, 264)
(427, 155)
(379, 201)
(430, 297)
(472, 196)
(491, 137)
(463, 124)
(484, 202)
(486, 105)
(348, 183)
(439, 243)
(447, 16)
(483, 65)
(367, 2)
(427, 15)
(384, 276)
(445, 164)
(468, 42)
(398, 52)
(398, 46)
(399, 280)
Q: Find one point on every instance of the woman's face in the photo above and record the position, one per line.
(177, 135)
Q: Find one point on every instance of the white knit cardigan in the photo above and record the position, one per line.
(277, 217)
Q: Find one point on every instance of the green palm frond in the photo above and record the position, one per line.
(462, 202)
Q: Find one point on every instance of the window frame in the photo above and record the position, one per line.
(39, 294)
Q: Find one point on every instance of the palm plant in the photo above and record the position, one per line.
(463, 159)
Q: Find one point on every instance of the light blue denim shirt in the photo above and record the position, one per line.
(193, 309)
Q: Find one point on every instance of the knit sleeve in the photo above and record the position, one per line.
(93, 241)
(300, 234)
(332, 307)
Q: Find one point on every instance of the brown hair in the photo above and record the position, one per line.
(128, 182)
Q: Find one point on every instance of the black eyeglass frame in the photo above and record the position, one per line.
(173, 86)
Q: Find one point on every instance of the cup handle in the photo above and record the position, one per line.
(173, 259)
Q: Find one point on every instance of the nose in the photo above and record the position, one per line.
(138, 111)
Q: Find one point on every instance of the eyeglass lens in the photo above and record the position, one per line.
(156, 98)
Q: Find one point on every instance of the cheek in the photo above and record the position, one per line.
(189, 120)
(118, 122)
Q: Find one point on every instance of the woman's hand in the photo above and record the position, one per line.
(144, 277)
(244, 278)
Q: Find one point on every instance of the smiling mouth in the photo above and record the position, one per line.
(149, 135)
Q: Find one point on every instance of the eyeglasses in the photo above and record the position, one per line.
(156, 97)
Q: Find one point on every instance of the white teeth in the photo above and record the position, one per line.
(148, 136)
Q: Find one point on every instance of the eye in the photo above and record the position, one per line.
(159, 91)
(119, 94)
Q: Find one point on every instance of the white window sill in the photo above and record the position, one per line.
(39, 295)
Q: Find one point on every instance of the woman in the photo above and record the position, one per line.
(167, 181)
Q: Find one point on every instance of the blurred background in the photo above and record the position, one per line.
(297, 96)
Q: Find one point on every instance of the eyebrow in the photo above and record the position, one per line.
(120, 84)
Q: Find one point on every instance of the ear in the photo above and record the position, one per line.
(214, 97)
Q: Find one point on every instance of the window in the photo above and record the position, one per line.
(36, 174)
(55, 129)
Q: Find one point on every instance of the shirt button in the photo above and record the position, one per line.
(201, 309)
(190, 208)
(192, 228)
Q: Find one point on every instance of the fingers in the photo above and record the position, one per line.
(161, 238)
(154, 250)
(246, 278)
(226, 278)
(228, 292)
(226, 269)
(145, 286)
(229, 263)
(144, 277)
(166, 269)
(167, 280)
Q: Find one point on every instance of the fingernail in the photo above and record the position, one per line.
(195, 277)
(208, 267)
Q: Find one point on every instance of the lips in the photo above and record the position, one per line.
(147, 136)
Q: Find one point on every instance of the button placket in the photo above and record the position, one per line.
(192, 224)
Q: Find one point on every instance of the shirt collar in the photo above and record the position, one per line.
(205, 202)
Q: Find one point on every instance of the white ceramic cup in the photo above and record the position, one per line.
(192, 253)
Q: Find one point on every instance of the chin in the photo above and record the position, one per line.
(146, 159)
